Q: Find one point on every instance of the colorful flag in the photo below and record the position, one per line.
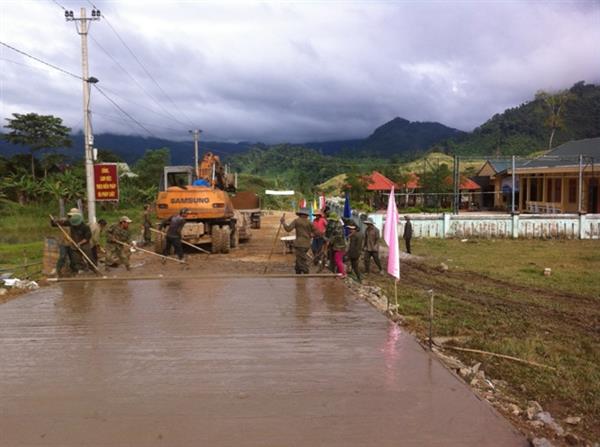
(390, 235)
(322, 202)
(347, 213)
(315, 206)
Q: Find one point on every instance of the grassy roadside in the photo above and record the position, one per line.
(495, 295)
(23, 229)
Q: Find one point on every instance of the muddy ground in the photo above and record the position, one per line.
(262, 252)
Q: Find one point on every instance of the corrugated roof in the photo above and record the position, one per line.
(379, 182)
(567, 154)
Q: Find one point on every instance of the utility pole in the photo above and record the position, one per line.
(82, 26)
(196, 133)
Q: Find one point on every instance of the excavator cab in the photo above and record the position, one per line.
(180, 176)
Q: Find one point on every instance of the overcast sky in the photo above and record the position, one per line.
(294, 71)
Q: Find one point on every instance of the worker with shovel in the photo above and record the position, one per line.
(304, 232)
(116, 253)
(80, 234)
(175, 225)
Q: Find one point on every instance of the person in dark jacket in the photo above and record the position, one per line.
(408, 231)
(175, 224)
(371, 246)
(304, 233)
(355, 248)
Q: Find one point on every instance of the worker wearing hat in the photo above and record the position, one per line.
(116, 253)
(371, 246)
(80, 237)
(304, 233)
(354, 248)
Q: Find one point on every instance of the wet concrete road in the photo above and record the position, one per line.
(224, 363)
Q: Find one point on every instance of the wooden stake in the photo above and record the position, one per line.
(430, 319)
(76, 246)
(151, 252)
(183, 242)
(508, 357)
(273, 247)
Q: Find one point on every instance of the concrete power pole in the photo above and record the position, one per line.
(82, 26)
(196, 133)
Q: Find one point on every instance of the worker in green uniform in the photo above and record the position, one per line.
(304, 232)
(81, 236)
(355, 248)
(117, 254)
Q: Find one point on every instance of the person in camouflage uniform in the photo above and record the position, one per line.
(81, 236)
(116, 253)
(304, 232)
(334, 237)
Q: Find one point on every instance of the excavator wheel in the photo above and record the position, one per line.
(235, 238)
(225, 239)
(216, 236)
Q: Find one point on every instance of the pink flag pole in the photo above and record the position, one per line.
(390, 235)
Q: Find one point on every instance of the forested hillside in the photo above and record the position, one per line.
(297, 167)
(526, 128)
(400, 137)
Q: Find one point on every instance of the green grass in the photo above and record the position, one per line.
(23, 229)
(495, 294)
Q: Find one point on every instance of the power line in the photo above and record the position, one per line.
(167, 114)
(54, 1)
(119, 119)
(120, 109)
(42, 61)
(145, 69)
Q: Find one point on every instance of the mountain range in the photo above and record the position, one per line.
(520, 130)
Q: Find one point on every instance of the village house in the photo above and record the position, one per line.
(564, 180)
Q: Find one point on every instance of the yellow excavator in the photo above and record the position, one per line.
(209, 193)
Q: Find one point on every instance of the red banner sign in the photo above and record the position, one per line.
(106, 180)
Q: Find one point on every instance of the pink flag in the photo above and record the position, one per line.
(390, 235)
(322, 202)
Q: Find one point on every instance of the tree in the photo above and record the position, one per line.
(108, 156)
(437, 181)
(150, 167)
(38, 132)
(52, 160)
(555, 105)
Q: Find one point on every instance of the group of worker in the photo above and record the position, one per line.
(79, 248)
(325, 236)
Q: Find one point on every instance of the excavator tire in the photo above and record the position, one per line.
(160, 243)
(235, 238)
(216, 236)
(225, 239)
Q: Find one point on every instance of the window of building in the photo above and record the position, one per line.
(557, 190)
(572, 190)
(549, 190)
(533, 196)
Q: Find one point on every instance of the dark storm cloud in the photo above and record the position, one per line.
(301, 71)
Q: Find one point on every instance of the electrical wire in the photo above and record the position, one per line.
(167, 114)
(61, 6)
(119, 119)
(120, 109)
(145, 69)
(41, 61)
